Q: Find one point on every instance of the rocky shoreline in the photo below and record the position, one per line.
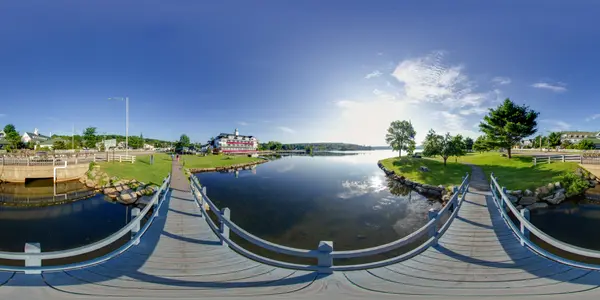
(121, 190)
(439, 191)
(226, 168)
(553, 193)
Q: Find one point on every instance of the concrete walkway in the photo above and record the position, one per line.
(594, 169)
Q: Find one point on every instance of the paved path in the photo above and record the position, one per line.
(180, 258)
(594, 169)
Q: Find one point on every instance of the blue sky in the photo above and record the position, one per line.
(295, 71)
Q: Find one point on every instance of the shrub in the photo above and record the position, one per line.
(573, 184)
(92, 165)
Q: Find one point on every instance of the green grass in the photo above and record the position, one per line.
(143, 171)
(451, 174)
(518, 172)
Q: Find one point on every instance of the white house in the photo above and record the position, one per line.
(577, 136)
(34, 137)
(228, 142)
(148, 147)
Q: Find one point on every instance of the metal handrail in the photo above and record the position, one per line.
(430, 228)
(87, 248)
(502, 200)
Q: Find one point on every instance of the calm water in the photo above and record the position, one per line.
(300, 200)
(54, 222)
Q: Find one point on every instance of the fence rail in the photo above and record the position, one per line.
(33, 256)
(585, 158)
(119, 158)
(526, 228)
(325, 254)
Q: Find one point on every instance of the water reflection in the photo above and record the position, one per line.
(345, 199)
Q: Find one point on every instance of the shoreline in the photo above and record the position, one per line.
(226, 168)
(422, 188)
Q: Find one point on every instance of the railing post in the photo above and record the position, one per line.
(134, 213)
(467, 183)
(76, 161)
(225, 214)
(501, 198)
(33, 261)
(524, 230)
(549, 159)
(28, 161)
(432, 215)
(535, 161)
(563, 158)
(581, 159)
(324, 258)
(120, 158)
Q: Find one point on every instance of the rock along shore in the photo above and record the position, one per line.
(425, 189)
(226, 168)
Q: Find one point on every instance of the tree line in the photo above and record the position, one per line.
(89, 138)
(275, 146)
(503, 127)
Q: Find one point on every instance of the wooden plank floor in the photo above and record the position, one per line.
(180, 257)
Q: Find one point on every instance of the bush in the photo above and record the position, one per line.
(573, 184)
(92, 165)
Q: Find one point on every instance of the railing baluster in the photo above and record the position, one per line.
(324, 257)
(33, 261)
(134, 213)
(524, 230)
(226, 214)
(432, 215)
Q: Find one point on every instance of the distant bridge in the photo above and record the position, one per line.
(471, 248)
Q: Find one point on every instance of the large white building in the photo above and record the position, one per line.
(34, 137)
(234, 142)
(577, 136)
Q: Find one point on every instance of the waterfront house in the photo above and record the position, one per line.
(34, 137)
(49, 144)
(234, 142)
(577, 136)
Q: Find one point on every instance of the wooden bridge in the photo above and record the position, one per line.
(180, 253)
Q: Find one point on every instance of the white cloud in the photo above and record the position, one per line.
(242, 123)
(474, 111)
(373, 74)
(558, 87)
(592, 117)
(556, 125)
(501, 80)
(286, 129)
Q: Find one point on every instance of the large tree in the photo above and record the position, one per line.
(554, 139)
(586, 145)
(12, 136)
(508, 124)
(184, 141)
(401, 136)
(469, 144)
(443, 145)
(481, 144)
(89, 136)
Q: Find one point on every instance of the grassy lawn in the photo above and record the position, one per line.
(518, 172)
(451, 174)
(212, 161)
(143, 171)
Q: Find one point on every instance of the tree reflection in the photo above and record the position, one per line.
(397, 188)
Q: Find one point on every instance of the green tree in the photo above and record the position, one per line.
(59, 145)
(184, 141)
(431, 144)
(554, 139)
(566, 144)
(12, 136)
(586, 145)
(481, 144)
(469, 144)
(508, 124)
(458, 146)
(89, 136)
(401, 136)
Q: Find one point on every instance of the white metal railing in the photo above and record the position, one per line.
(325, 254)
(121, 158)
(33, 256)
(526, 228)
(34, 161)
(557, 158)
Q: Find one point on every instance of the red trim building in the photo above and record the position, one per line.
(232, 143)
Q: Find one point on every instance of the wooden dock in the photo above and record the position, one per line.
(180, 257)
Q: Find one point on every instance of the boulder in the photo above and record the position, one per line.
(513, 199)
(528, 193)
(542, 192)
(557, 198)
(424, 169)
(593, 183)
(90, 183)
(127, 197)
(537, 205)
(144, 200)
(516, 193)
(557, 185)
(113, 195)
(527, 200)
(441, 187)
(550, 187)
(436, 193)
(579, 172)
(109, 190)
(446, 197)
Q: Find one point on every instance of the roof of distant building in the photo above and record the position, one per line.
(37, 136)
(580, 132)
(228, 134)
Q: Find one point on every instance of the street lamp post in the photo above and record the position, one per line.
(126, 121)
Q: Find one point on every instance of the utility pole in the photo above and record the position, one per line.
(126, 126)
(73, 138)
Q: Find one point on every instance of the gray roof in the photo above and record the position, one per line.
(228, 134)
(37, 136)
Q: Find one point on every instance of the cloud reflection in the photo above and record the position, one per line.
(372, 184)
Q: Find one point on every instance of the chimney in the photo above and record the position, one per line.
(35, 131)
